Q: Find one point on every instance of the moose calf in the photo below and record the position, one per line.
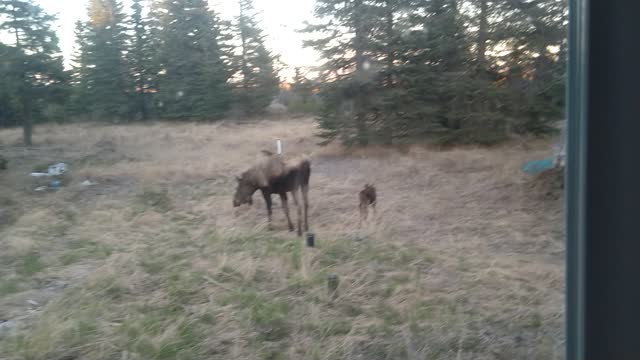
(367, 197)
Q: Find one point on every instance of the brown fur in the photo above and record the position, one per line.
(272, 174)
(368, 197)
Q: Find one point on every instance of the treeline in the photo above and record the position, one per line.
(450, 70)
(393, 71)
(169, 59)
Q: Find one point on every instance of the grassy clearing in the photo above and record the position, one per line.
(459, 264)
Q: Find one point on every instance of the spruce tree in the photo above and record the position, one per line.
(194, 80)
(302, 86)
(344, 38)
(33, 65)
(80, 82)
(100, 69)
(139, 61)
(254, 65)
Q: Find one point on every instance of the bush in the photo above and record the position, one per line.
(299, 107)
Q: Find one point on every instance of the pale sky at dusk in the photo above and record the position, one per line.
(278, 18)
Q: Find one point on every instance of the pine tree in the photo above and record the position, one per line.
(302, 86)
(258, 83)
(535, 74)
(345, 37)
(100, 67)
(432, 70)
(192, 60)
(33, 65)
(80, 84)
(140, 61)
(9, 100)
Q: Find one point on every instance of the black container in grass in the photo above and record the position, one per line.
(311, 240)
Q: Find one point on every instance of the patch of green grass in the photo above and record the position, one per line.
(422, 310)
(335, 327)
(388, 314)
(273, 354)
(270, 318)
(294, 249)
(63, 327)
(69, 258)
(392, 255)
(29, 264)
(109, 288)
(157, 199)
(152, 266)
(68, 215)
(400, 279)
(151, 319)
(40, 167)
(349, 309)
(85, 249)
(534, 321)
(297, 285)
(182, 346)
(58, 229)
(79, 243)
(8, 211)
(9, 286)
(207, 319)
(336, 252)
(184, 288)
(228, 274)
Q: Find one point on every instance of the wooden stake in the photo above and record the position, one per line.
(332, 286)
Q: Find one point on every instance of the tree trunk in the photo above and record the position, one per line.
(482, 36)
(387, 129)
(359, 103)
(243, 63)
(27, 121)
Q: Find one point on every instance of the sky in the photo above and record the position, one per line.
(278, 18)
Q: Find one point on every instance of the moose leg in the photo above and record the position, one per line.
(294, 193)
(305, 200)
(267, 200)
(363, 212)
(285, 207)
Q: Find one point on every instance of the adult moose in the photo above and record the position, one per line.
(272, 174)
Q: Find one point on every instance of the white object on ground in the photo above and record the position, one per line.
(54, 170)
(87, 183)
(57, 169)
(279, 146)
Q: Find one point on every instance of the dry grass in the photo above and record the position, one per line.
(460, 263)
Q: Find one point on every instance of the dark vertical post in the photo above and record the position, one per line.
(332, 286)
(311, 240)
(575, 178)
(603, 202)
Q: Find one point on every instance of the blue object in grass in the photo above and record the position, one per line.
(536, 166)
